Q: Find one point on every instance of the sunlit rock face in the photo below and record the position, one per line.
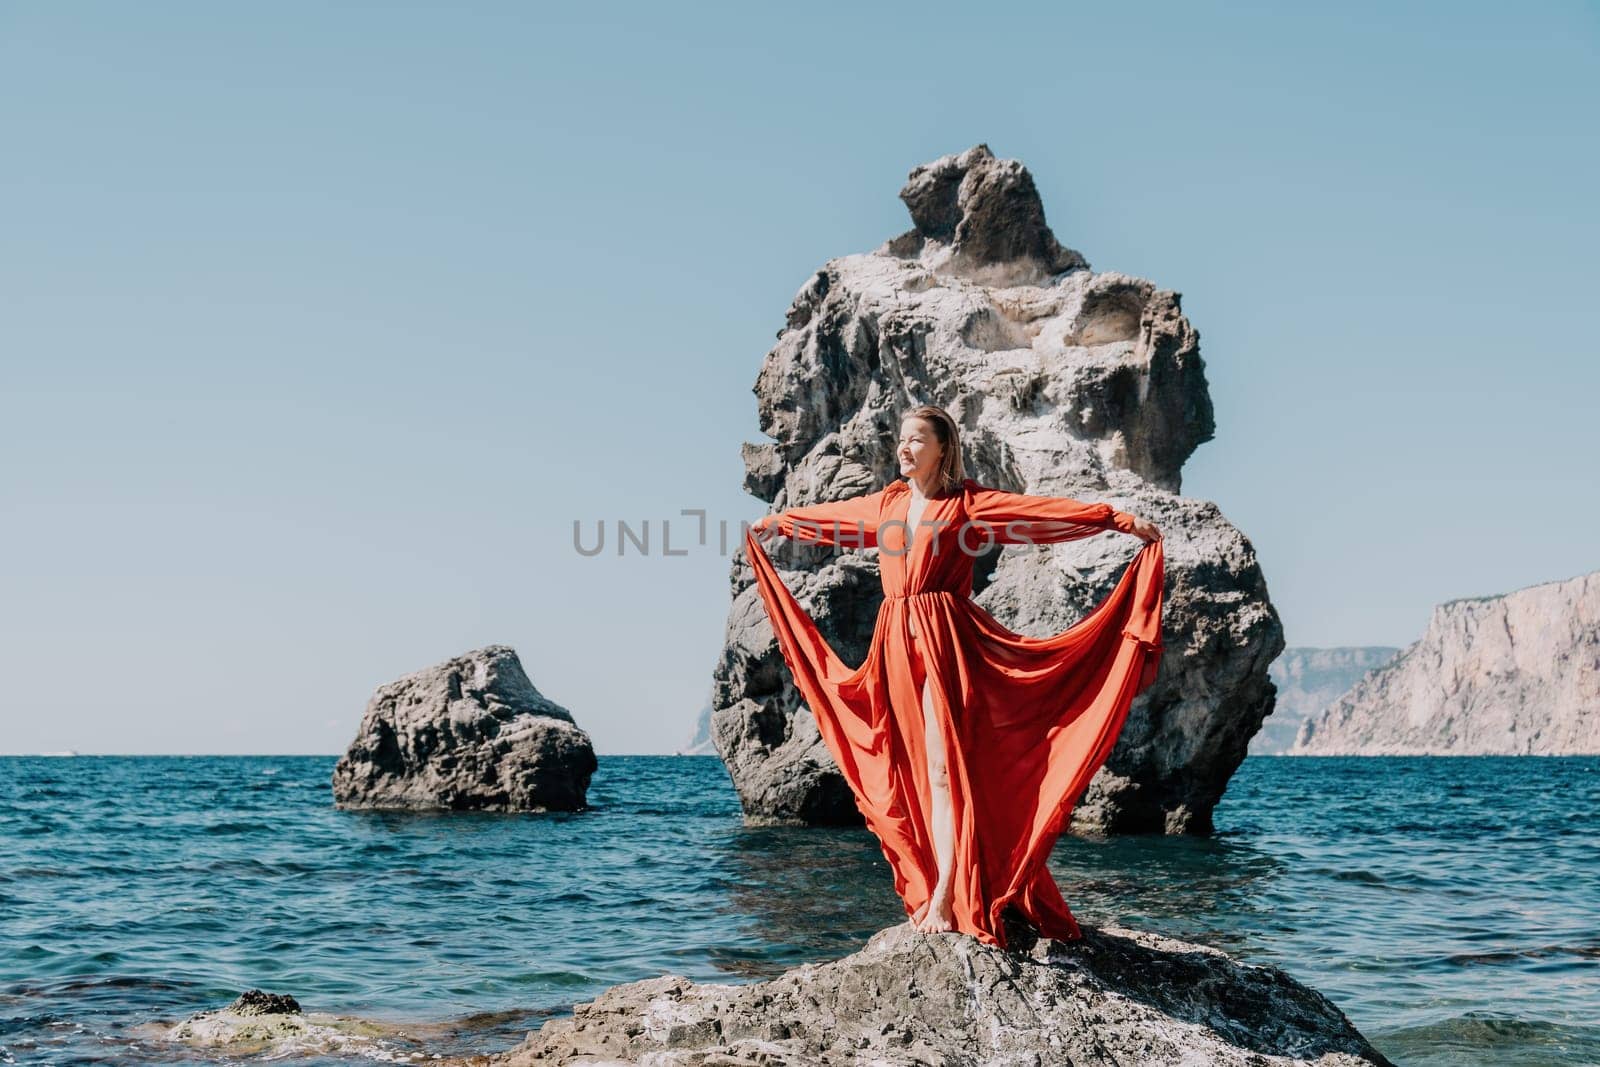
(908, 999)
(1511, 675)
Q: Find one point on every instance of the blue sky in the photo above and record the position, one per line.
(320, 324)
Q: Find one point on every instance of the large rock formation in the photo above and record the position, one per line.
(1309, 680)
(1116, 997)
(470, 733)
(1066, 383)
(1515, 675)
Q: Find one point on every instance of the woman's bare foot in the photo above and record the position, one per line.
(939, 916)
(917, 915)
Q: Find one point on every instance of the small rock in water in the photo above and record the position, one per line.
(471, 733)
(258, 1022)
(255, 1021)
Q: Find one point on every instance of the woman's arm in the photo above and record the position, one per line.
(1020, 519)
(852, 522)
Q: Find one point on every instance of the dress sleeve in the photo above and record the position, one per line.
(852, 523)
(1020, 519)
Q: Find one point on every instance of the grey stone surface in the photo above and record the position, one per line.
(1511, 675)
(1116, 997)
(469, 733)
(1065, 382)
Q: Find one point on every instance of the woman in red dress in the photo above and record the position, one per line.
(966, 745)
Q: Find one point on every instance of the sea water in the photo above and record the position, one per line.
(1449, 906)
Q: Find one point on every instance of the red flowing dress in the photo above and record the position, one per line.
(1026, 721)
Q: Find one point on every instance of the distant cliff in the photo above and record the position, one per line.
(700, 744)
(1308, 681)
(1517, 674)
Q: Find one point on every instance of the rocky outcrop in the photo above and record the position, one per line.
(1514, 675)
(1115, 997)
(1309, 680)
(1066, 383)
(469, 733)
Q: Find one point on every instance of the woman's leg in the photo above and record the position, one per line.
(938, 916)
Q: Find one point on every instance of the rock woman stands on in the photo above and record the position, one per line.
(966, 745)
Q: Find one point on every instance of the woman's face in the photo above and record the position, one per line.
(919, 449)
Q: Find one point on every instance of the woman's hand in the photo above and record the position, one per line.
(765, 529)
(1145, 530)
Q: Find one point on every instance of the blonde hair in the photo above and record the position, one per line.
(951, 473)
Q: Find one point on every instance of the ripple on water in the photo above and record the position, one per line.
(1577, 951)
(1489, 1037)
